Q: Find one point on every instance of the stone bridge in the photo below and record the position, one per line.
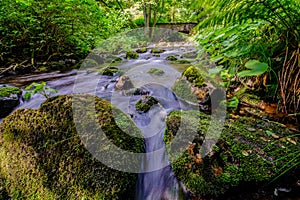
(183, 27)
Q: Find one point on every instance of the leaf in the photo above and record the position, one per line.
(256, 68)
(269, 132)
(51, 90)
(27, 95)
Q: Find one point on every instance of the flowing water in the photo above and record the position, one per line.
(156, 179)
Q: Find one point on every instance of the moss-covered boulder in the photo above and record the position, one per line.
(108, 71)
(182, 61)
(145, 103)
(248, 152)
(155, 71)
(43, 157)
(132, 55)
(157, 51)
(190, 86)
(171, 58)
(9, 99)
(193, 75)
(142, 50)
(156, 54)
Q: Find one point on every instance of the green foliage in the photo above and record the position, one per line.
(36, 32)
(256, 68)
(236, 31)
(40, 88)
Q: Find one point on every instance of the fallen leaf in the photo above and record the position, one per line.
(245, 153)
(291, 141)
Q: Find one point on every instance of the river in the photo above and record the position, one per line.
(156, 179)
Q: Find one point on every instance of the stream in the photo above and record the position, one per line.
(156, 179)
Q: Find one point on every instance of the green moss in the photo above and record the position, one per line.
(156, 55)
(145, 103)
(240, 155)
(142, 50)
(181, 61)
(182, 89)
(7, 91)
(109, 71)
(155, 71)
(157, 51)
(194, 76)
(191, 55)
(43, 157)
(171, 58)
(132, 55)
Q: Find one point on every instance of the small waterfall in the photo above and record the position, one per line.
(157, 180)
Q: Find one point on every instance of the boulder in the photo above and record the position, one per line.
(124, 83)
(248, 153)
(155, 71)
(145, 103)
(157, 51)
(171, 58)
(9, 99)
(142, 50)
(43, 157)
(108, 71)
(132, 55)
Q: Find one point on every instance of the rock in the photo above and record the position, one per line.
(155, 71)
(145, 103)
(9, 99)
(43, 157)
(183, 61)
(193, 75)
(124, 83)
(190, 86)
(136, 91)
(157, 51)
(241, 156)
(190, 55)
(108, 71)
(171, 58)
(156, 55)
(142, 50)
(132, 55)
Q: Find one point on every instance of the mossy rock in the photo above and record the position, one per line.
(9, 99)
(156, 55)
(43, 157)
(145, 103)
(182, 89)
(190, 55)
(157, 51)
(194, 76)
(171, 58)
(248, 152)
(142, 50)
(182, 61)
(155, 71)
(109, 71)
(132, 55)
(9, 91)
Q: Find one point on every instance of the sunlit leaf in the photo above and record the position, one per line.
(256, 68)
